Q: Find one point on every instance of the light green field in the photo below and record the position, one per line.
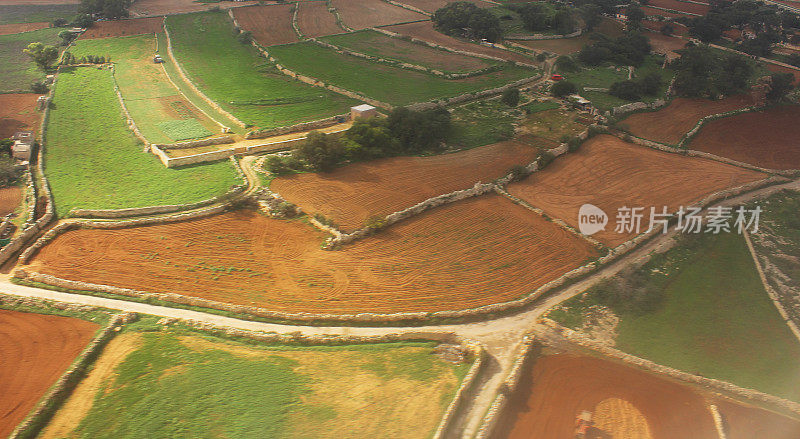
(183, 383)
(17, 70)
(482, 122)
(239, 78)
(160, 113)
(715, 319)
(93, 161)
(385, 83)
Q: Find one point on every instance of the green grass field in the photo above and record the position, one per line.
(36, 13)
(385, 83)
(377, 44)
(160, 113)
(482, 122)
(239, 78)
(16, 68)
(715, 318)
(184, 383)
(93, 161)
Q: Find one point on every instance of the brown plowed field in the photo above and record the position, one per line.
(611, 173)
(361, 14)
(744, 422)
(432, 5)
(774, 68)
(769, 139)
(10, 198)
(18, 113)
(424, 30)
(565, 46)
(35, 349)
(670, 123)
(164, 7)
(466, 254)
(314, 20)
(121, 28)
(352, 194)
(15, 28)
(557, 388)
(270, 25)
(678, 5)
(654, 12)
(665, 44)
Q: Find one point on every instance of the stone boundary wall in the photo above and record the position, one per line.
(760, 58)
(128, 118)
(568, 335)
(51, 401)
(338, 16)
(195, 143)
(295, 24)
(31, 197)
(507, 387)
(298, 127)
(637, 106)
(194, 88)
(674, 11)
(693, 132)
(210, 156)
(467, 384)
(153, 210)
(577, 33)
(471, 96)
(409, 7)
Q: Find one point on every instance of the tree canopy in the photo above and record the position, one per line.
(467, 20)
(105, 8)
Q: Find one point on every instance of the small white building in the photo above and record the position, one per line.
(364, 111)
(23, 145)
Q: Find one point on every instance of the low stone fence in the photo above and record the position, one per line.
(554, 330)
(128, 118)
(338, 16)
(31, 197)
(507, 387)
(194, 143)
(462, 393)
(577, 33)
(299, 127)
(636, 106)
(52, 400)
(471, 96)
(210, 156)
(409, 7)
(691, 133)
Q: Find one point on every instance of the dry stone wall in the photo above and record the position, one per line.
(577, 33)
(299, 127)
(462, 393)
(195, 143)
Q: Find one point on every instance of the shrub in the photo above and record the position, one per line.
(320, 152)
(322, 219)
(566, 64)
(510, 97)
(39, 87)
(544, 159)
(574, 144)
(563, 88)
(284, 209)
(245, 37)
(518, 173)
(467, 20)
(541, 57)
(376, 223)
(60, 22)
(628, 90)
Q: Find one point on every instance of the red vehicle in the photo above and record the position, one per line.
(556, 77)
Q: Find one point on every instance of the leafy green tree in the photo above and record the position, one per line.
(563, 22)
(83, 20)
(510, 97)
(650, 84)
(563, 88)
(590, 13)
(110, 9)
(566, 64)
(628, 90)
(420, 130)
(320, 152)
(43, 56)
(780, 86)
(66, 37)
(370, 138)
(466, 19)
(635, 17)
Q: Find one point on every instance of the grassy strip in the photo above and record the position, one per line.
(16, 68)
(715, 318)
(93, 161)
(385, 83)
(240, 79)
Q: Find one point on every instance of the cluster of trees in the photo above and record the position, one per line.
(744, 14)
(629, 90)
(70, 59)
(43, 55)
(539, 17)
(464, 19)
(630, 49)
(635, 16)
(109, 9)
(703, 72)
(403, 132)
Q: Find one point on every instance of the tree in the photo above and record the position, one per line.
(466, 19)
(83, 20)
(635, 17)
(566, 64)
(667, 29)
(510, 97)
(780, 86)
(43, 56)
(590, 14)
(321, 152)
(563, 88)
(110, 9)
(370, 138)
(650, 84)
(60, 22)
(628, 90)
(563, 22)
(419, 130)
(245, 37)
(66, 37)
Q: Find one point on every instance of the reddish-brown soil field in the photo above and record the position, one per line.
(10, 198)
(769, 139)
(677, 5)
(744, 422)
(15, 28)
(164, 7)
(466, 254)
(653, 12)
(557, 388)
(780, 69)
(121, 28)
(314, 20)
(565, 46)
(665, 44)
(270, 25)
(611, 173)
(432, 5)
(424, 30)
(35, 349)
(18, 113)
(361, 14)
(670, 123)
(352, 194)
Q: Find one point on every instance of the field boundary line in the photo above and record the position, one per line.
(409, 7)
(467, 384)
(773, 296)
(295, 24)
(339, 22)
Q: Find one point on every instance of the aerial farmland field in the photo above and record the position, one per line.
(315, 20)
(18, 112)
(269, 24)
(361, 14)
(17, 70)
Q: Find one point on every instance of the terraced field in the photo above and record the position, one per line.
(314, 19)
(361, 14)
(122, 28)
(269, 24)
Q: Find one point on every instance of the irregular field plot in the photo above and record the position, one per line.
(33, 13)
(16, 68)
(121, 28)
(670, 123)
(18, 113)
(352, 194)
(665, 44)
(314, 19)
(93, 161)
(269, 24)
(35, 350)
(237, 77)
(565, 46)
(383, 82)
(162, 7)
(550, 126)
(678, 5)
(769, 139)
(462, 255)
(10, 198)
(6, 29)
(557, 388)
(424, 30)
(781, 69)
(172, 379)
(154, 103)
(611, 173)
(433, 5)
(361, 14)
(380, 45)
